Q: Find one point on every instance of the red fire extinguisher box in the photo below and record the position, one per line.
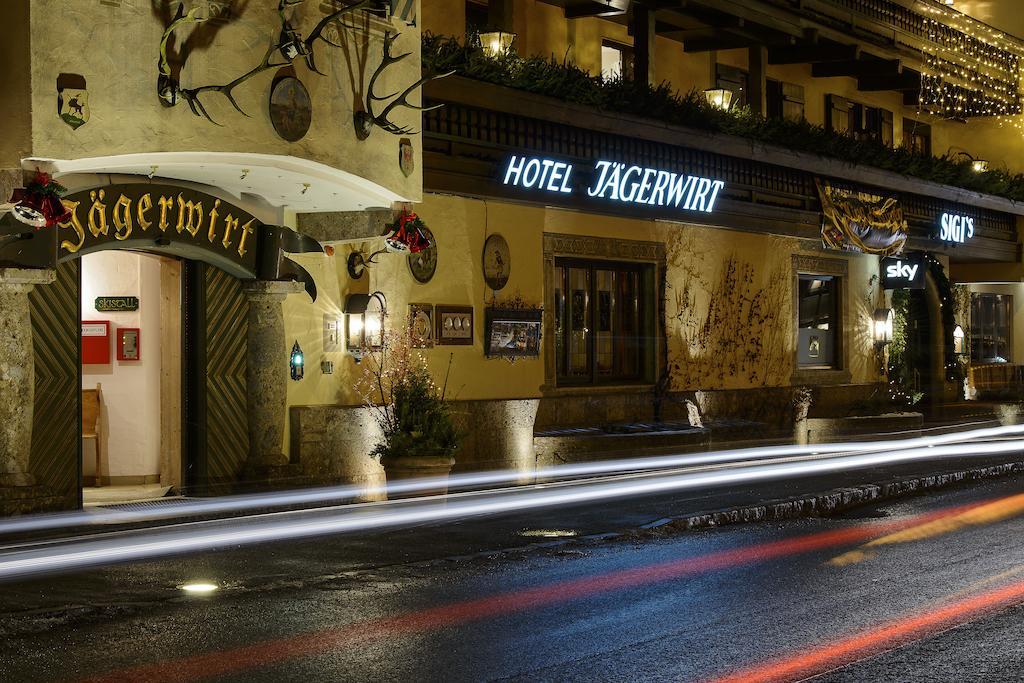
(95, 342)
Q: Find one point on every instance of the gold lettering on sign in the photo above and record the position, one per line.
(144, 205)
(75, 225)
(165, 203)
(212, 234)
(122, 215)
(97, 214)
(193, 211)
(230, 223)
(246, 231)
(182, 216)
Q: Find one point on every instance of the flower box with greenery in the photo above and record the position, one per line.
(571, 83)
(420, 437)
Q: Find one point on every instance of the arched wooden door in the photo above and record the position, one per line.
(214, 336)
(56, 457)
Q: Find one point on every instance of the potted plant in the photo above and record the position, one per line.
(419, 434)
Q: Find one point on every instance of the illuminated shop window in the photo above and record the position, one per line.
(818, 321)
(991, 320)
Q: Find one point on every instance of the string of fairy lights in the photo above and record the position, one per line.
(971, 69)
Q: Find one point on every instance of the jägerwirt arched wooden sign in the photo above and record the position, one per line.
(177, 221)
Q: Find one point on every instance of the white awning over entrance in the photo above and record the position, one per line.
(287, 182)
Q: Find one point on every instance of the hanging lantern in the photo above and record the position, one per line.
(38, 203)
(297, 362)
(719, 98)
(406, 234)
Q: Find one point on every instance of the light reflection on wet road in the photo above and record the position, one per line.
(694, 606)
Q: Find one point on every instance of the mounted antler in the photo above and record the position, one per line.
(191, 95)
(317, 32)
(366, 120)
(167, 86)
(290, 44)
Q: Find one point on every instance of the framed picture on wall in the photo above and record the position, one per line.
(513, 333)
(453, 324)
(421, 325)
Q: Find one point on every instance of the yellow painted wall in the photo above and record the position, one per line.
(757, 352)
(116, 49)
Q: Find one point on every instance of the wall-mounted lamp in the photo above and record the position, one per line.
(977, 165)
(364, 323)
(496, 43)
(883, 324)
(959, 341)
(719, 98)
(297, 362)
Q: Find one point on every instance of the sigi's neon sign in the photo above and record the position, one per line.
(617, 182)
(955, 228)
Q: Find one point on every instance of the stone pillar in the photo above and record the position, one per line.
(268, 373)
(17, 372)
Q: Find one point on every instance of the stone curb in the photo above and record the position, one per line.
(829, 502)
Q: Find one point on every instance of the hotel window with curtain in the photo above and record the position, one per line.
(818, 321)
(991, 320)
(602, 314)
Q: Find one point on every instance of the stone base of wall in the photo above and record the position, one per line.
(331, 443)
(22, 500)
(569, 448)
(769, 406)
(868, 428)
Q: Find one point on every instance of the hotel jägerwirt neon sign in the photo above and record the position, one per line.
(616, 182)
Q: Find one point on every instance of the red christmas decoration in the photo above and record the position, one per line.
(406, 234)
(38, 203)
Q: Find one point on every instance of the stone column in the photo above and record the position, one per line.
(268, 374)
(17, 372)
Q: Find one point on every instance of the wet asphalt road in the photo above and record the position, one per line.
(689, 606)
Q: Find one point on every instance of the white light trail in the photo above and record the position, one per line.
(86, 551)
(263, 501)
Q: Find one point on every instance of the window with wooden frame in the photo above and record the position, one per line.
(785, 100)
(603, 313)
(917, 137)
(991, 323)
(818, 321)
(735, 80)
(858, 120)
(476, 17)
(616, 60)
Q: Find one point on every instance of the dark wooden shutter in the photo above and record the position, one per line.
(216, 422)
(57, 412)
(837, 114)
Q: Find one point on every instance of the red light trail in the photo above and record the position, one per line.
(268, 653)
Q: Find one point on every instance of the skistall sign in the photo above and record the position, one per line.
(616, 182)
(955, 228)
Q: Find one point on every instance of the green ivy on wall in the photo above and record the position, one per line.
(571, 83)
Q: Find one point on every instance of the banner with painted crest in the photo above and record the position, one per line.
(860, 221)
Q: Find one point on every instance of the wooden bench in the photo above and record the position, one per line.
(92, 426)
